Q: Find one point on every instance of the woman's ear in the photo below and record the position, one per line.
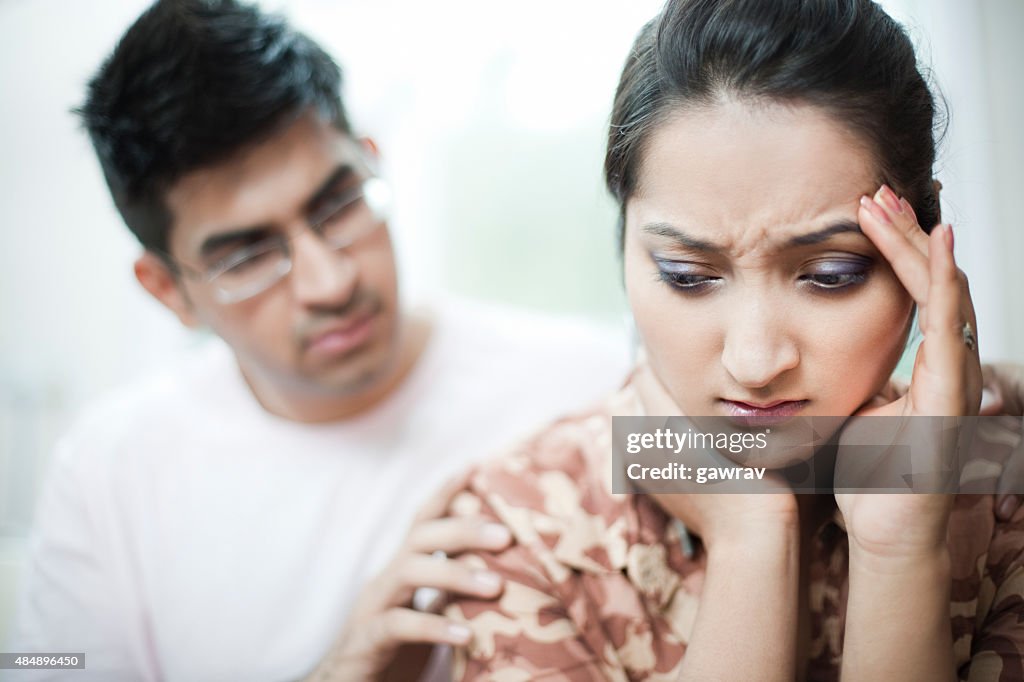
(938, 197)
(156, 277)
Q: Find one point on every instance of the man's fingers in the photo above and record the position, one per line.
(454, 535)
(400, 626)
(447, 575)
(398, 585)
(438, 503)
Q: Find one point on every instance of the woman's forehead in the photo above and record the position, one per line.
(735, 167)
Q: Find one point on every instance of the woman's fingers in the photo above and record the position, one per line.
(899, 238)
(952, 366)
(903, 217)
(926, 267)
(945, 305)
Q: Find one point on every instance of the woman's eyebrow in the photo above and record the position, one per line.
(825, 233)
(682, 239)
(686, 241)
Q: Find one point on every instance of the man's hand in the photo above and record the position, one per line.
(379, 638)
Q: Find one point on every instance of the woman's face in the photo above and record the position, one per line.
(749, 279)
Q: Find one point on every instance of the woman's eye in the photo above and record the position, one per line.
(837, 277)
(684, 280)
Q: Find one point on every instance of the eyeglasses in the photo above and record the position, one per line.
(341, 221)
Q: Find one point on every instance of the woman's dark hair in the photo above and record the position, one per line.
(190, 84)
(847, 57)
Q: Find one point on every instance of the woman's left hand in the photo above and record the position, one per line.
(946, 379)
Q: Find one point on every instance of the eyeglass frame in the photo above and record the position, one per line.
(283, 241)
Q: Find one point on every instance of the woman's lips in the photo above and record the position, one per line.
(763, 414)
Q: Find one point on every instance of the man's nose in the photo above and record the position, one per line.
(321, 276)
(758, 346)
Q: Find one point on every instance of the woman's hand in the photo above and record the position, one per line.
(947, 376)
(946, 379)
(750, 593)
(899, 559)
(739, 520)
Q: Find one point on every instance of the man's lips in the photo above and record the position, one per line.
(342, 336)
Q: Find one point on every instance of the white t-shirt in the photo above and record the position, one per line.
(184, 533)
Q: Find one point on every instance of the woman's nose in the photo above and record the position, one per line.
(758, 347)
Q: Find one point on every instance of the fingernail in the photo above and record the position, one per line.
(875, 210)
(949, 237)
(487, 581)
(1007, 507)
(460, 633)
(495, 535)
(889, 199)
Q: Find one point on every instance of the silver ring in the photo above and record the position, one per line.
(969, 339)
(428, 598)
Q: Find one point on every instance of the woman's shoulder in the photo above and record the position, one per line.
(554, 489)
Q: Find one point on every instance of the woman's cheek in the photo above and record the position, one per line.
(856, 350)
(679, 338)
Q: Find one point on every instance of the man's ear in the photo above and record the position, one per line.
(371, 149)
(156, 277)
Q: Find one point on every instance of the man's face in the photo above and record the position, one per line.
(329, 326)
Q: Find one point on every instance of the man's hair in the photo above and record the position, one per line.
(191, 84)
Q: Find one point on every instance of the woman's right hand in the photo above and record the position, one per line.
(743, 520)
(750, 592)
